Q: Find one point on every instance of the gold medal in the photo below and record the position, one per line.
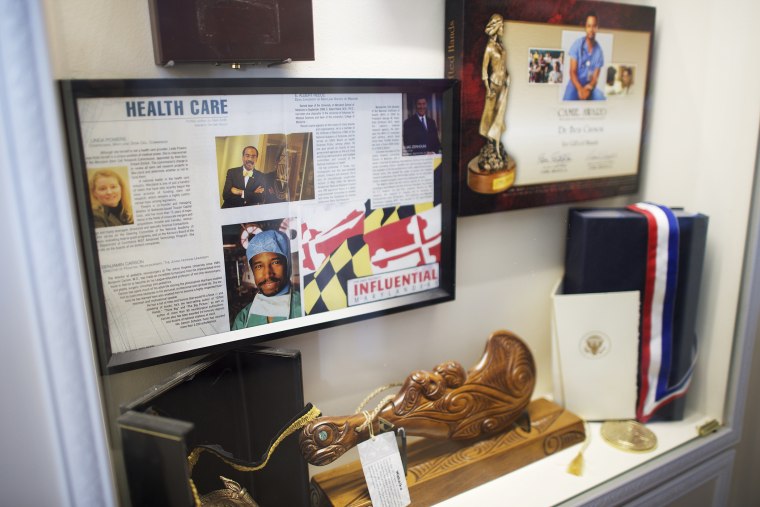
(629, 436)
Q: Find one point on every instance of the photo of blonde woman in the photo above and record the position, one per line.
(109, 197)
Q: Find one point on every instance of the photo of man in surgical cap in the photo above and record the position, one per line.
(268, 254)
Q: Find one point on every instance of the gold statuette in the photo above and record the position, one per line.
(492, 171)
(629, 436)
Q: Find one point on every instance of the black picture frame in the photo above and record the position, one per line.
(123, 137)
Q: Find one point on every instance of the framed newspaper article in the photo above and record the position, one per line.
(553, 99)
(217, 212)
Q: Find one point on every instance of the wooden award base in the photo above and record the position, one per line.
(484, 182)
(440, 469)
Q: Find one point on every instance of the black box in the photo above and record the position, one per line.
(238, 400)
(607, 252)
(232, 31)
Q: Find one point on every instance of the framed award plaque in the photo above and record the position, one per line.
(553, 100)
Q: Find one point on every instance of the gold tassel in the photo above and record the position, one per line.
(576, 466)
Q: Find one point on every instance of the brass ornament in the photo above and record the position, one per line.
(233, 495)
(631, 436)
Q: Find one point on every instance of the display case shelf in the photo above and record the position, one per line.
(603, 463)
(700, 152)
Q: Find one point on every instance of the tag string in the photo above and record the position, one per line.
(375, 393)
(369, 417)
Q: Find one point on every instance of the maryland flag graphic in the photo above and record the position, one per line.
(364, 243)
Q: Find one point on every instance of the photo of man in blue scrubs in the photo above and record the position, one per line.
(586, 62)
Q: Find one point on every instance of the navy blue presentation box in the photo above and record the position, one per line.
(606, 252)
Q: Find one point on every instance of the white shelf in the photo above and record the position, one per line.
(529, 486)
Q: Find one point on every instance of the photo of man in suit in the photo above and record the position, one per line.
(420, 131)
(246, 185)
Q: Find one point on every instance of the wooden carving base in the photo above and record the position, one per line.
(440, 469)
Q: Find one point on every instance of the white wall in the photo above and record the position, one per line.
(699, 153)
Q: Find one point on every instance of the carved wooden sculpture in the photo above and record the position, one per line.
(445, 403)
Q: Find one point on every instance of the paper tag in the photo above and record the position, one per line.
(384, 471)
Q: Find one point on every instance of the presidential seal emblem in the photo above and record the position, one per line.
(595, 345)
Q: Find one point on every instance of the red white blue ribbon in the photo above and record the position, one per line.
(657, 312)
